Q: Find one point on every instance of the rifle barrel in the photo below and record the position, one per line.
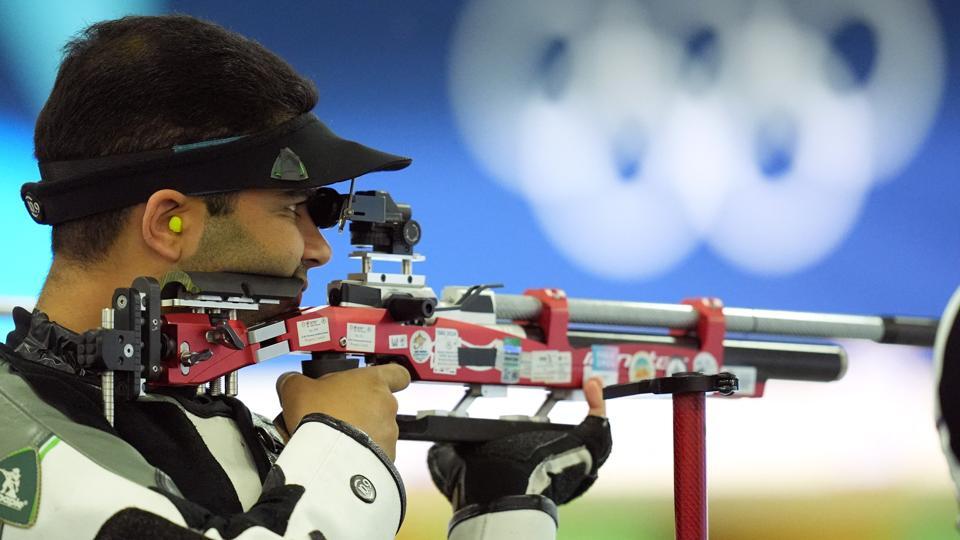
(899, 330)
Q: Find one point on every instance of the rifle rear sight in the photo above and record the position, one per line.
(383, 230)
(380, 223)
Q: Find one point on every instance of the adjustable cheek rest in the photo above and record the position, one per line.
(325, 207)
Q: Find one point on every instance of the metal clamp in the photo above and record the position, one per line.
(724, 383)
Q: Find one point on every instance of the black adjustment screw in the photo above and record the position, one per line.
(727, 383)
(194, 358)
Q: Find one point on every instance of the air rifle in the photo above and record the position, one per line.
(189, 330)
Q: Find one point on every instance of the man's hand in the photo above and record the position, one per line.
(557, 465)
(593, 392)
(361, 397)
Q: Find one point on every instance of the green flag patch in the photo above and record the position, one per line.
(19, 487)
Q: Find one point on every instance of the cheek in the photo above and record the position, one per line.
(232, 245)
(272, 248)
(284, 244)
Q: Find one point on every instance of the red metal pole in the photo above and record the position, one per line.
(690, 465)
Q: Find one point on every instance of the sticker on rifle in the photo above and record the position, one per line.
(605, 363)
(642, 366)
(510, 368)
(313, 331)
(446, 353)
(541, 365)
(676, 365)
(361, 337)
(420, 346)
(525, 365)
(398, 341)
(746, 379)
(551, 367)
(562, 368)
(705, 363)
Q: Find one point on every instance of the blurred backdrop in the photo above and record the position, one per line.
(786, 155)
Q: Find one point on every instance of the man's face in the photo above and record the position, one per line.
(268, 232)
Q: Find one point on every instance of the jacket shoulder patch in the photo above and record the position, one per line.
(20, 487)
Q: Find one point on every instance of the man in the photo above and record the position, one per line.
(166, 144)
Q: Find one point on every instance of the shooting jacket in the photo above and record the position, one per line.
(181, 465)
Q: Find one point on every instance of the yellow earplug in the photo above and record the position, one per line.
(176, 224)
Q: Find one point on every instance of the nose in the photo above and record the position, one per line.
(316, 250)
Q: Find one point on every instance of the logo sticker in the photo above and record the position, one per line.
(361, 337)
(541, 365)
(604, 363)
(19, 487)
(420, 346)
(677, 365)
(313, 331)
(33, 206)
(705, 363)
(642, 366)
(446, 354)
(363, 488)
(398, 341)
(288, 166)
(510, 370)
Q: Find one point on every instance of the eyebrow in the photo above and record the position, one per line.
(296, 193)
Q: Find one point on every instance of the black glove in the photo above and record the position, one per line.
(559, 465)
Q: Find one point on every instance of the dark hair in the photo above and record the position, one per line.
(146, 83)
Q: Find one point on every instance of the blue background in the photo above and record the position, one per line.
(382, 68)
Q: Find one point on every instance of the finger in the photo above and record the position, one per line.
(281, 380)
(390, 451)
(593, 391)
(396, 376)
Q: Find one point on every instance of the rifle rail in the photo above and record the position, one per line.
(898, 330)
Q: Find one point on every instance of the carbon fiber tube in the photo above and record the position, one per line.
(901, 330)
(690, 465)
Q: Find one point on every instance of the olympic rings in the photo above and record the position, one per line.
(636, 130)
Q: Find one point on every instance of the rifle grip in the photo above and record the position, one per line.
(321, 364)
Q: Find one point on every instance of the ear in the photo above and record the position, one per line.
(155, 227)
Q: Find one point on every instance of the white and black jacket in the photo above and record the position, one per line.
(180, 465)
